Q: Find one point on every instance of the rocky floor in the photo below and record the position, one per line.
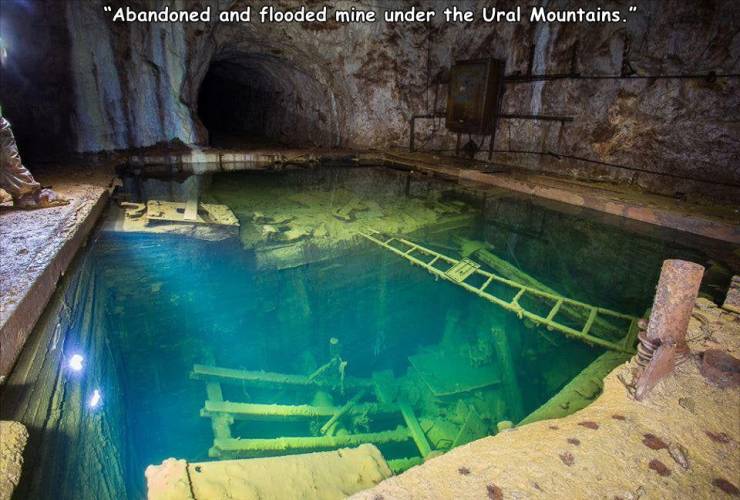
(681, 442)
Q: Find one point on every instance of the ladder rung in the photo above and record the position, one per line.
(515, 300)
(485, 285)
(590, 321)
(554, 310)
(435, 259)
(413, 247)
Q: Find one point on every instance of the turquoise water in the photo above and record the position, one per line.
(170, 302)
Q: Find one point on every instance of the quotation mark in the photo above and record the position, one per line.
(633, 8)
(108, 8)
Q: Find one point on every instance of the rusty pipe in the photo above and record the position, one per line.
(665, 336)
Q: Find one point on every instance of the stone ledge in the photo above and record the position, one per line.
(38, 246)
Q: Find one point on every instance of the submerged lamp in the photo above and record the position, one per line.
(76, 362)
(95, 400)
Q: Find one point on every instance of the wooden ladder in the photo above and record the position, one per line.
(462, 271)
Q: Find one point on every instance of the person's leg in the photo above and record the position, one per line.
(14, 177)
(17, 180)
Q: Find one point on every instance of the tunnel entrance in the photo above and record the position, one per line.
(259, 100)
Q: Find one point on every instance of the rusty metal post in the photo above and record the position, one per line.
(669, 319)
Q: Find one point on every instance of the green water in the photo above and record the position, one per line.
(171, 302)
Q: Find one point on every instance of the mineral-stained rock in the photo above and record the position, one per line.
(356, 84)
(13, 437)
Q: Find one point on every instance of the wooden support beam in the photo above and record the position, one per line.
(341, 412)
(191, 209)
(233, 376)
(510, 383)
(255, 411)
(398, 465)
(220, 424)
(417, 433)
(285, 444)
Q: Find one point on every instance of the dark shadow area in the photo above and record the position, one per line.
(255, 100)
(234, 109)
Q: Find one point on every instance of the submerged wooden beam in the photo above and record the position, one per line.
(284, 444)
(417, 433)
(341, 412)
(230, 375)
(255, 411)
(469, 248)
(510, 383)
(398, 465)
(581, 391)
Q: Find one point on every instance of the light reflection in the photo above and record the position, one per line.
(76, 362)
(95, 400)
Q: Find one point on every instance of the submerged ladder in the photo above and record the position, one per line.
(462, 271)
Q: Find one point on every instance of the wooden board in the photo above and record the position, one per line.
(206, 213)
(460, 271)
(472, 429)
(447, 372)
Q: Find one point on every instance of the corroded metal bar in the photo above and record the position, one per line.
(674, 300)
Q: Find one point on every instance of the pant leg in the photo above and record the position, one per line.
(14, 177)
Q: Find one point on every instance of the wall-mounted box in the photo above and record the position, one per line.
(474, 95)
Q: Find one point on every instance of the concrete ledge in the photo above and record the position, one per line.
(37, 247)
(681, 220)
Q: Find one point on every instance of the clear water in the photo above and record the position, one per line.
(173, 301)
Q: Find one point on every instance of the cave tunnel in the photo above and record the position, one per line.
(263, 100)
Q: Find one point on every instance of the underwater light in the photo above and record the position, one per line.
(75, 362)
(95, 400)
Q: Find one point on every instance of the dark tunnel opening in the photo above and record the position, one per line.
(262, 100)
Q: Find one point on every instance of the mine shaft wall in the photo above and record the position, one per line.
(74, 451)
(122, 85)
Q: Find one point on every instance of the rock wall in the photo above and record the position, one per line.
(74, 450)
(134, 84)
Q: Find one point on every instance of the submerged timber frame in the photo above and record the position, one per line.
(459, 271)
(224, 413)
